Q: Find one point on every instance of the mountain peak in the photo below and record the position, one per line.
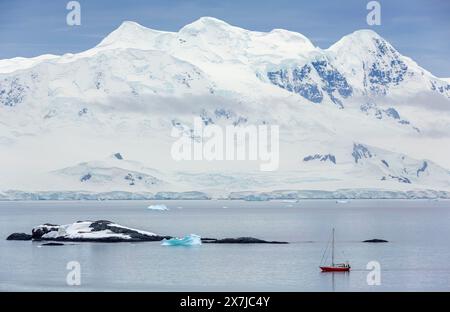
(129, 32)
(363, 39)
(365, 34)
(130, 28)
(206, 24)
(208, 21)
(360, 37)
(130, 25)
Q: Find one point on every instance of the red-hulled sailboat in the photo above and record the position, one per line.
(335, 267)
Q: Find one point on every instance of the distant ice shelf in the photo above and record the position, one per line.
(341, 195)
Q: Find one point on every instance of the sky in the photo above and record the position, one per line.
(419, 29)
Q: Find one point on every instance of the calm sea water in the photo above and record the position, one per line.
(416, 258)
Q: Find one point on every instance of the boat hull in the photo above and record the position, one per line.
(335, 269)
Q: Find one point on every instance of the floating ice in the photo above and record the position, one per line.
(189, 240)
(342, 202)
(158, 207)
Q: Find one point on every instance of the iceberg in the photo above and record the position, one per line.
(158, 207)
(189, 240)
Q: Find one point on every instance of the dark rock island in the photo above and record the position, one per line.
(375, 240)
(109, 232)
(19, 236)
(239, 240)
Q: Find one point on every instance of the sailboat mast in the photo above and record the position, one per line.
(332, 251)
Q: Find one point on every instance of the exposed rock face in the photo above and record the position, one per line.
(301, 80)
(360, 151)
(38, 232)
(118, 156)
(320, 157)
(375, 240)
(19, 236)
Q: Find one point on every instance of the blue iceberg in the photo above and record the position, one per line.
(158, 207)
(189, 240)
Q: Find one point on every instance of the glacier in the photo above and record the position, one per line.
(358, 119)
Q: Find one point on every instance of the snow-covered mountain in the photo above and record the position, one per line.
(355, 115)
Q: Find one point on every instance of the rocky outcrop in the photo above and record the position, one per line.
(108, 232)
(239, 240)
(93, 231)
(19, 236)
(38, 232)
(375, 240)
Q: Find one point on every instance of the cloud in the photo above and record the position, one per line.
(163, 105)
(427, 100)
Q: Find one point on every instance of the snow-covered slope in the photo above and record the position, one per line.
(114, 171)
(358, 97)
(92, 231)
(10, 65)
(370, 163)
